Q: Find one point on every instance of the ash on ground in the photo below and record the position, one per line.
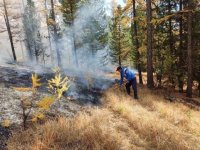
(11, 110)
(85, 90)
(4, 135)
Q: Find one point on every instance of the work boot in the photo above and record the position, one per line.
(136, 97)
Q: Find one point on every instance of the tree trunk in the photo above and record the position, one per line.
(119, 45)
(171, 44)
(73, 32)
(55, 34)
(21, 40)
(170, 30)
(75, 47)
(180, 76)
(49, 35)
(199, 88)
(150, 82)
(36, 53)
(137, 44)
(160, 60)
(9, 31)
(189, 56)
(120, 64)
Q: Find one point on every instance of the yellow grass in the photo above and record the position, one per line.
(121, 123)
(163, 124)
(98, 129)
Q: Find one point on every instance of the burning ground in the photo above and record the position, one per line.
(85, 90)
(95, 114)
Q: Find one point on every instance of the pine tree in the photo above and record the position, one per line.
(55, 32)
(189, 55)
(48, 31)
(196, 43)
(150, 82)
(135, 38)
(31, 25)
(9, 31)
(69, 8)
(180, 49)
(95, 30)
(119, 40)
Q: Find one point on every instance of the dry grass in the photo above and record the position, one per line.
(122, 123)
(164, 125)
(96, 130)
(175, 113)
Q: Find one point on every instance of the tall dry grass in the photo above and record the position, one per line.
(121, 123)
(176, 113)
(163, 124)
(96, 130)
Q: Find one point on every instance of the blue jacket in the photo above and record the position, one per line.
(127, 73)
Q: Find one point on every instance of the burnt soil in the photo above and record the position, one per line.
(80, 95)
(4, 135)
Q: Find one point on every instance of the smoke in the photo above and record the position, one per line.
(90, 23)
(91, 20)
(3, 58)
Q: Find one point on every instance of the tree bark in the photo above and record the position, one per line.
(180, 76)
(9, 31)
(150, 82)
(137, 43)
(55, 34)
(119, 44)
(171, 44)
(170, 30)
(199, 88)
(189, 55)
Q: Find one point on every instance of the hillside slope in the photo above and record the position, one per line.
(120, 123)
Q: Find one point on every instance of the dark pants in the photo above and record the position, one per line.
(132, 83)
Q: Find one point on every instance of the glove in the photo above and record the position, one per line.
(116, 81)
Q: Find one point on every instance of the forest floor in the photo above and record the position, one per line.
(118, 122)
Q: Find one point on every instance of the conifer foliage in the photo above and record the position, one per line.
(165, 41)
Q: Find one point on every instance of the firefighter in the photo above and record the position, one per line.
(131, 78)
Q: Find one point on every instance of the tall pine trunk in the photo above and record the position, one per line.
(170, 30)
(180, 76)
(137, 43)
(150, 82)
(55, 34)
(119, 45)
(171, 44)
(189, 54)
(9, 31)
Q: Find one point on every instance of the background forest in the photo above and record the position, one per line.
(158, 37)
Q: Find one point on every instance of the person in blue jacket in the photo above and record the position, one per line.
(131, 78)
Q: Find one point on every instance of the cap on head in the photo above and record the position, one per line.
(119, 68)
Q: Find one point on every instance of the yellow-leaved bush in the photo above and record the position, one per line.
(6, 123)
(38, 116)
(35, 84)
(35, 81)
(46, 102)
(57, 86)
